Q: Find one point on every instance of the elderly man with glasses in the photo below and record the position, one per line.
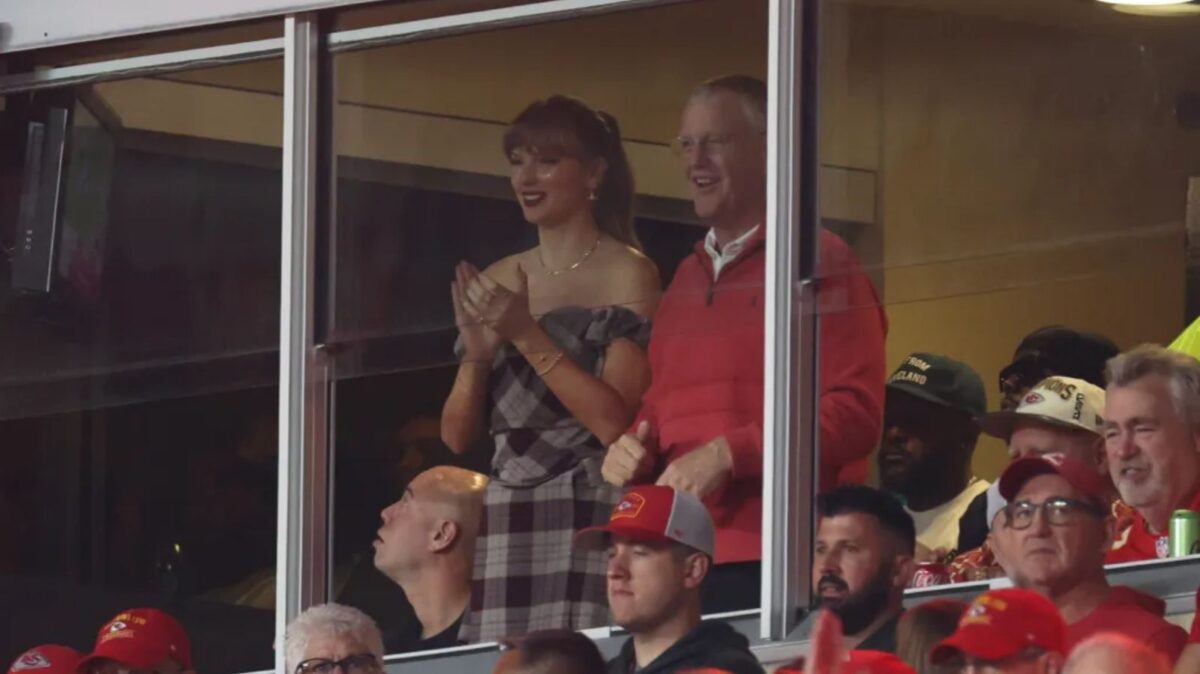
(1052, 538)
(331, 637)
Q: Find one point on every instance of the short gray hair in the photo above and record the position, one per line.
(750, 90)
(332, 619)
(1181, 371)
(1128, 656)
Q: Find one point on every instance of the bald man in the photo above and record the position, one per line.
(426, 545)
(1108, 653)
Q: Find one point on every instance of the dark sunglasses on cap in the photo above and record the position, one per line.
(1023, 374)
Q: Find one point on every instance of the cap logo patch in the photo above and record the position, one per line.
(981, 608)
(629, 507)
(31, 660)
(117, 626)
(1033, 398)
(910, 376)
(1162, 547)
(1055, 458)
(1063, 389)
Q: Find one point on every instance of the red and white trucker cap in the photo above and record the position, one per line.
(654, 513)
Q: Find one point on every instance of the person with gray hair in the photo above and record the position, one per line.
(1108, 653)
(328, 637)
(1152, 439)
(700, 427)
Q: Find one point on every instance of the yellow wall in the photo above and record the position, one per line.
(1029, 175)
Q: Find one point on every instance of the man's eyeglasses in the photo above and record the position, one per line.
(1057, 511)
(713, 145)
(358, 663)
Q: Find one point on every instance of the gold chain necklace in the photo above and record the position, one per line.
(555, 272)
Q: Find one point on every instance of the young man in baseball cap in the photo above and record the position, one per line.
(1013, 631)
(140, 641)
(1060, 415)
(660, 547)
(1052, 538)
(929, 435)
(46, 659)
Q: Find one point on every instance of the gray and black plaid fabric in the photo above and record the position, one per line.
(546, 484)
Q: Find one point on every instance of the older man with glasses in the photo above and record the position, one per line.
(140, 641)
(1052, 538)
(333, 639)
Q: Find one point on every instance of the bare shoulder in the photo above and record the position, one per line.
(632, 280)
(630, 269)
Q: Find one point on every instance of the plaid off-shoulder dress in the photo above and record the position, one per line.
(545, 485)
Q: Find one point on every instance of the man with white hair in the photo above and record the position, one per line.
(426, 545)
(700, 426)
(1152, 438)
(1108, 653)
(329, 637)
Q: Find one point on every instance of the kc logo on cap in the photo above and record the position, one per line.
(629, 508)
(47, 659)
(31, 660)
(980, 611)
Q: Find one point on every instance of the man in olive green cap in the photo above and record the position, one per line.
(929, 435)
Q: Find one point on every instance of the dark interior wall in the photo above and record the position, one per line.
(143, 416)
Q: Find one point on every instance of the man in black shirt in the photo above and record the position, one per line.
(426, 546)
(660, 546)
(862, 563)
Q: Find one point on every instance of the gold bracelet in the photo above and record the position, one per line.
(554, 359)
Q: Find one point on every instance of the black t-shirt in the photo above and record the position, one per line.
(973, 526)
(410, 640)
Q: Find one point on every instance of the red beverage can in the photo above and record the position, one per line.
(929, 574)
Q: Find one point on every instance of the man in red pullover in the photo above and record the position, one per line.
(700, 426)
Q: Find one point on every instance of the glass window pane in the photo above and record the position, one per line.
(424, 183)
(139, 294)
(1001, 168)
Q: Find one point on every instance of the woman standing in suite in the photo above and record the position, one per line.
(553, 366)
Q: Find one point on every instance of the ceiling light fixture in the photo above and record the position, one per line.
(1156, 7)
(1147, 3)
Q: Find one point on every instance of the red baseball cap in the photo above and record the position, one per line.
(141, 638)
(47, 659)
(1001, 623)
(1084, 478)
(654, 513)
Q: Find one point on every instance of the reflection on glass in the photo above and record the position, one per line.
(493, 299)
(1028, 172)
(139, 333)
